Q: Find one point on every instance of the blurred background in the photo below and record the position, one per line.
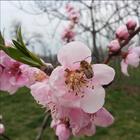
(42, 24)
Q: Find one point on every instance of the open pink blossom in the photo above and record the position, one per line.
(131, 24)
(15, 74)
(81, 123)
(114, 45)
(2, 129)
(132, 58)
(67, 120)
(71, 86)
(122, 33)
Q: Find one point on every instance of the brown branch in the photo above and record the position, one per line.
(110, 55)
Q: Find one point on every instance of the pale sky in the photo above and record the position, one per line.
(37, 23)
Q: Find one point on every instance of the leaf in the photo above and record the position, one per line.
(31, 61)
(21, 48)
(20, 38)
(19, 56)
(2, 39)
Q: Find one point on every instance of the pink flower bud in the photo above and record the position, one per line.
(2, 129)
(131, 24)
(122, 33)
(62, 132)
(114, 45)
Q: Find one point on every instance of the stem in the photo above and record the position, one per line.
(106, 61)
(43, 126)
(5, 137)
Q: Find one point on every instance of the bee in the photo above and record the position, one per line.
(86, 68)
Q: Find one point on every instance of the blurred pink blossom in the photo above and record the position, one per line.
(131, 24)
(15, 74)
(122, 33)
(68, 35)
(73, 14)
(2, 129)
(114, 45)
(132, 58)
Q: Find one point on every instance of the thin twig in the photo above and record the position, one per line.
(5, 137)
(43, 126)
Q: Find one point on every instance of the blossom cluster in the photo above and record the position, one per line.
(132, 56)
(74, 92)
(14, 74)
(73, 15)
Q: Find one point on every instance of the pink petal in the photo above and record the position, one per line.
(93, 100)
(132, 59)
(124, 67)
(89, 130)
(73, 52)
(103, 74)
(57, 81)
(136, 50)
(103, 118)
(40, 92)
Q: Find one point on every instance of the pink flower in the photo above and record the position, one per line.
(67, 120)
(131, 24)
(15, 75)
(114, 45)
(132, 58)
(73, 15)
(81, 123)
(69, 82)
(69, 8)
(68, 35)
(62, 132)
(122, 33)
(2, 129)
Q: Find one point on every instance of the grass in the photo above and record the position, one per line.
(23, 116)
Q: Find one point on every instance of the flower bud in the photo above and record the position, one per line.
(122, 33)
(62, 132)
(114, 45)
(131, 24)
(2, 129)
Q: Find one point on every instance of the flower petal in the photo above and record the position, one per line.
(124, 67)
(40, 91)
(93, 100)
(103, 74)
(133, 59)
(57, 81)
(136, 50)
(103, 118)
(73, 52)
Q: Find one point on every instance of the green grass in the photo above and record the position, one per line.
(23, 116)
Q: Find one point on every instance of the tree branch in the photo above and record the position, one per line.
(121, 46)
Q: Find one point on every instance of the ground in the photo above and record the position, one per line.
(23, 116)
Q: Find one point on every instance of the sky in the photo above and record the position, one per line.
(36, 23)
(30, 23)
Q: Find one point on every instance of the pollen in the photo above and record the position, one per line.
(75, 80)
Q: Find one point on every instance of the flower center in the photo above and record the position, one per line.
(76, 80)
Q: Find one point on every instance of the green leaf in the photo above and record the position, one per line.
(20, 47)
(2, 39)
(33, 63)
(20, 38)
